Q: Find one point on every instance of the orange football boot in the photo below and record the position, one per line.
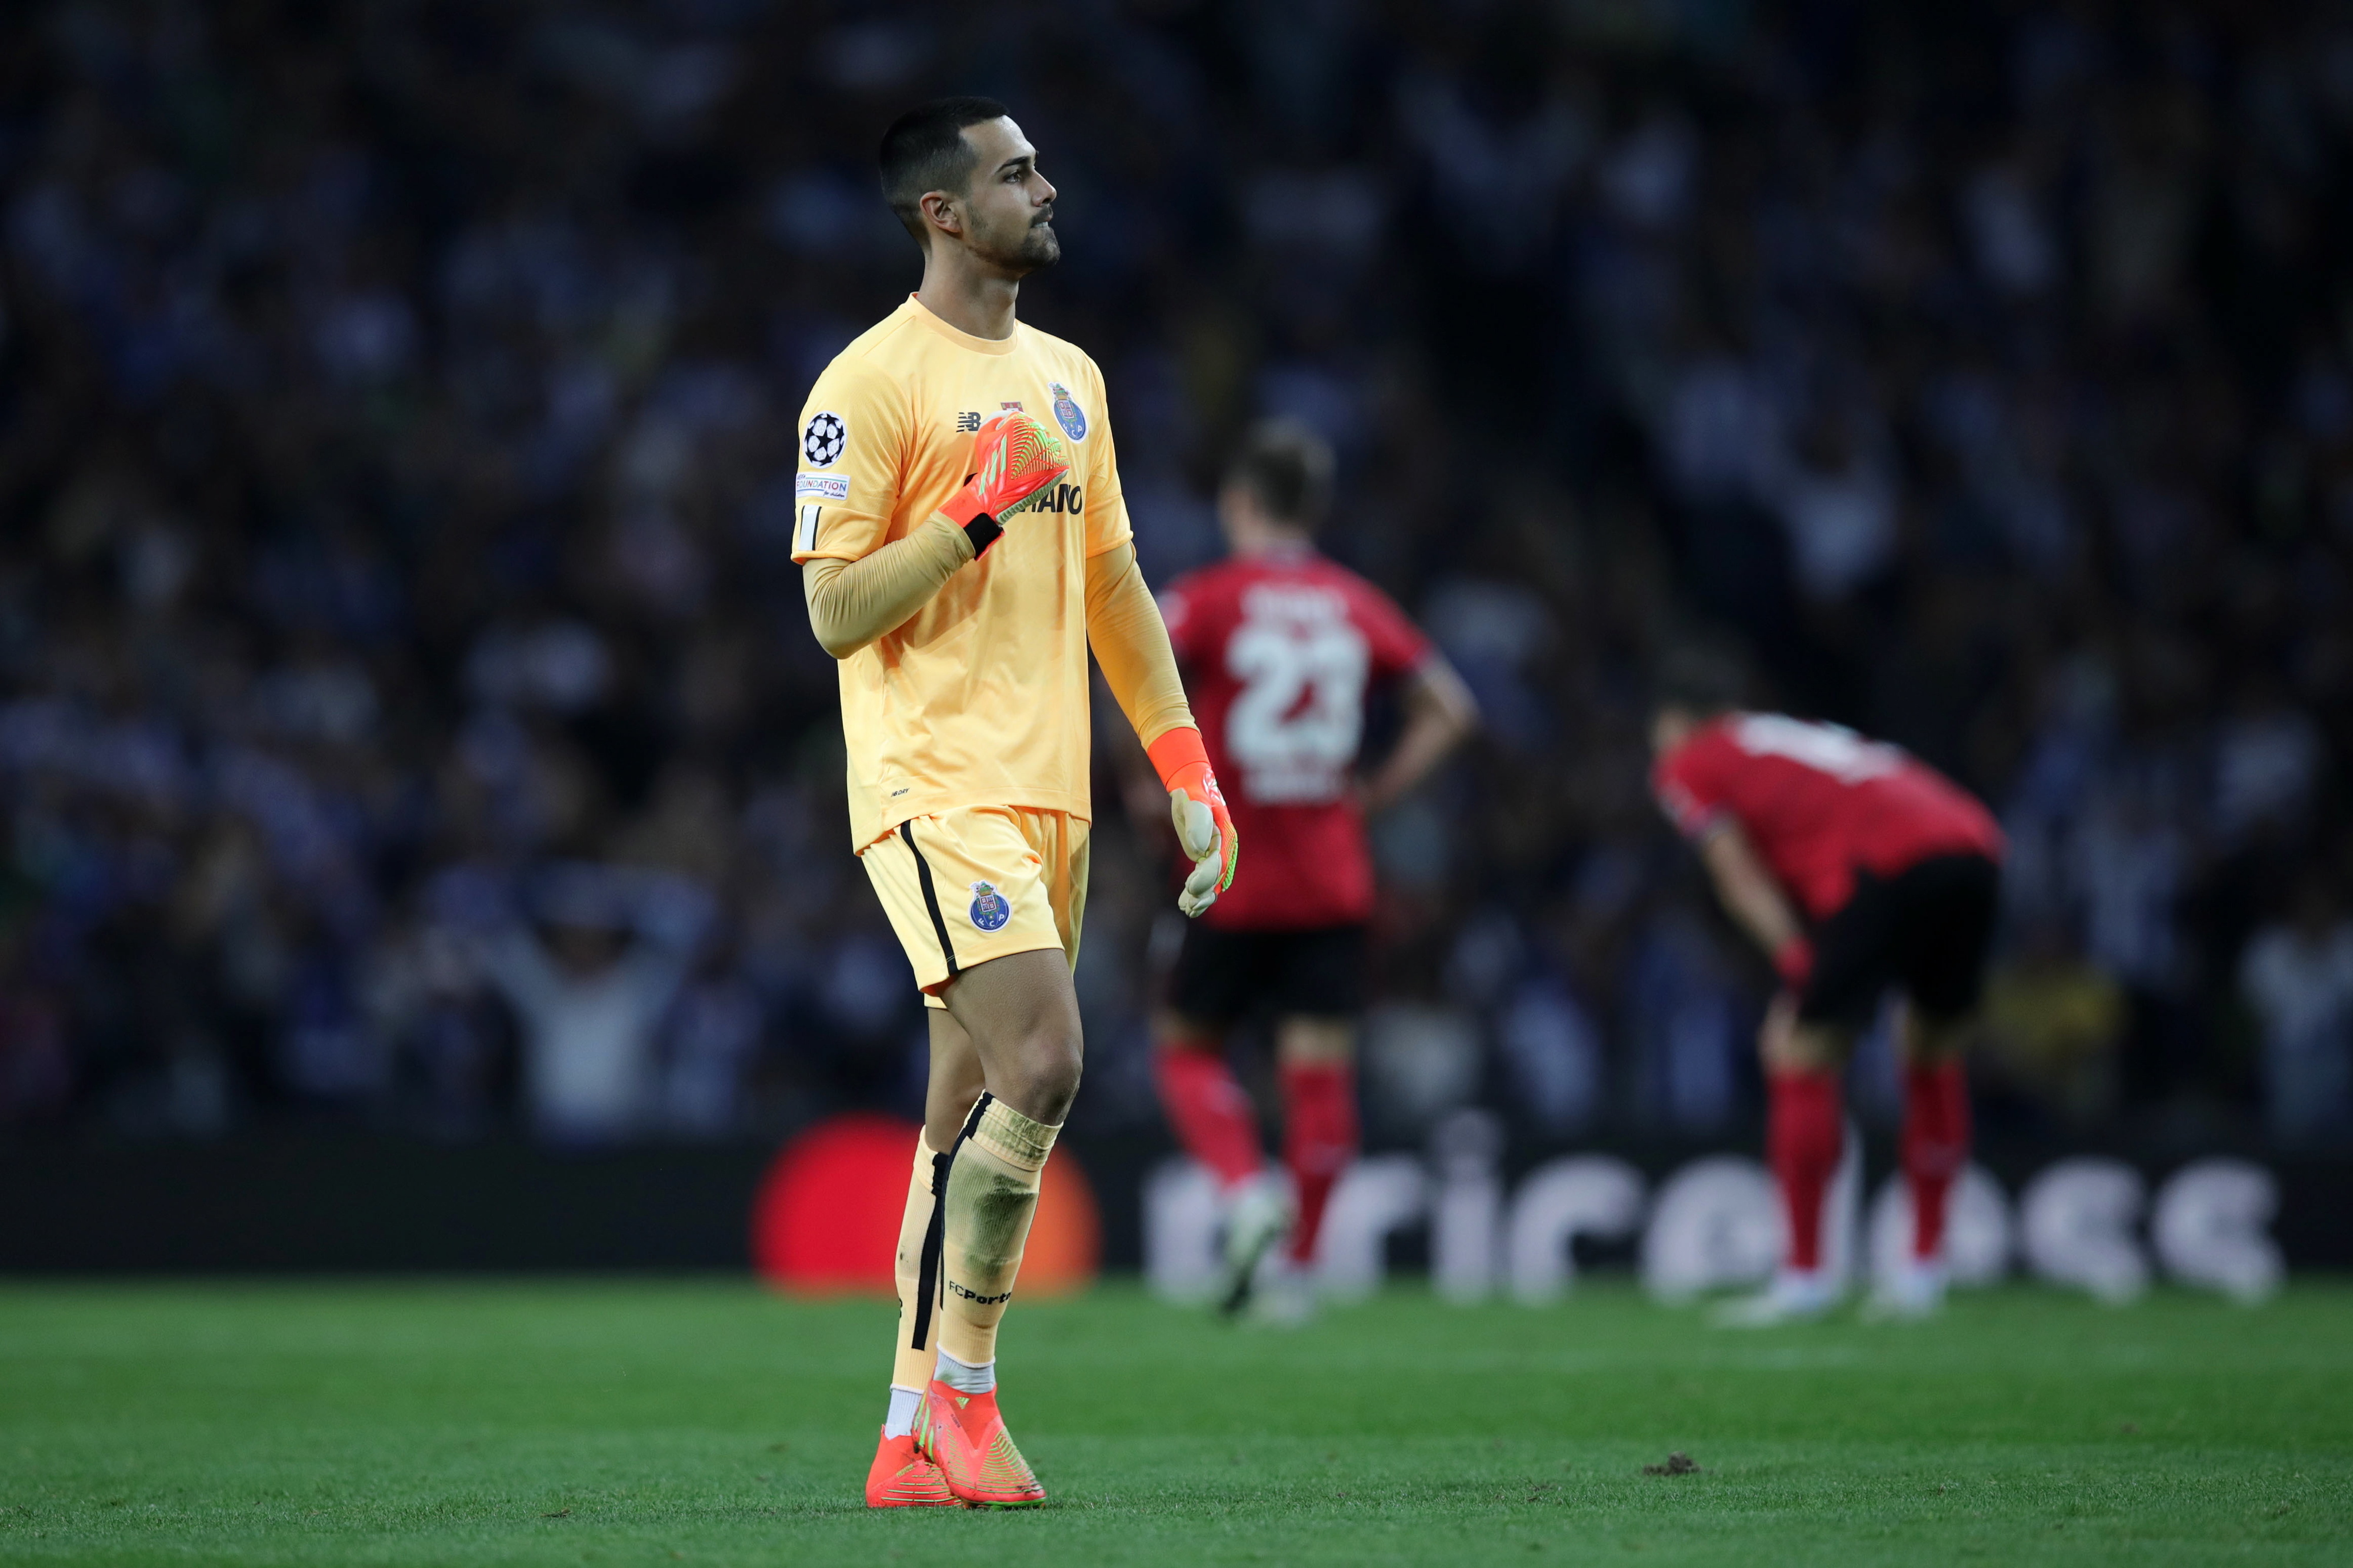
(903, 1477)
(965, 1434)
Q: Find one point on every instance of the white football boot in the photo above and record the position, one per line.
(1283, 1294)
(1913, 1292)
(1796, 1296)
(1257, 1218)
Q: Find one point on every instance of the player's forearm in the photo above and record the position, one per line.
(1750, 895)
(1441, 714)
(1130, 643)
(851, 602)
(1420, 749)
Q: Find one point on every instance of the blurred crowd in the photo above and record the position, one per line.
(407, 713)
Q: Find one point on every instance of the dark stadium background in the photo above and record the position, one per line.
(398, 405)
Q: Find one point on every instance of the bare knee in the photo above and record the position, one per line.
(1022, 1017)
(1789, 1045)
(1041, 1073)
(1931, 1042)
(1306, 1039)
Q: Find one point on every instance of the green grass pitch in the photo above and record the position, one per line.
(708, 1422)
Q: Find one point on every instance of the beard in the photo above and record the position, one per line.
(1041, 246)
(1035, 247)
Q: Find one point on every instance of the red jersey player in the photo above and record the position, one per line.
(1279, 647)
(1857, 868)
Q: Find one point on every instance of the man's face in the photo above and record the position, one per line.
(1238, 514)
(1008, 211)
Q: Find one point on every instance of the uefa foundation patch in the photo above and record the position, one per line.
(990, 908)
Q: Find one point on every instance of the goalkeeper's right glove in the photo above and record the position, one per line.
(1013, 458)
(1203, 825)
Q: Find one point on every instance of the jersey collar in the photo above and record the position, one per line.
(959, 337)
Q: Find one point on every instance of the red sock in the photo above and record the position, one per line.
(1212, 1116)
(1804, 1137)
(1319, 1141)
(1935, 1147)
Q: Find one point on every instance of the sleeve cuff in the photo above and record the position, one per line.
(1176, 751)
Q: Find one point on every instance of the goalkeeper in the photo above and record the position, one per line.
(962, 542)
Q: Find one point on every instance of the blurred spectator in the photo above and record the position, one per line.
(713, 1035)
(591, 1000)
(2053, 1022)
(1555, 1064)
(1687, 1024)
(2297, 976)
(427, 997)
(394, 497)
(35, 1074)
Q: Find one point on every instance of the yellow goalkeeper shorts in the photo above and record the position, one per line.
(979, 882)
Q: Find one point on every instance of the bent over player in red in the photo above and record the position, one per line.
(1279, 647)
(1857, 868)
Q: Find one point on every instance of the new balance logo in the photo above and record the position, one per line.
(970, 422)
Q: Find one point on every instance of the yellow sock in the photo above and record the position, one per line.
(911, 1363)
(992, 1196)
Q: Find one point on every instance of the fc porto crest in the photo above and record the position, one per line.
(990, 908)
(1067, 411)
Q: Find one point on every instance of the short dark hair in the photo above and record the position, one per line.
(924, 151)
(1699, 677)
(1288, 469)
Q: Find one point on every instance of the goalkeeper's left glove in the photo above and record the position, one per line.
(1203, 825)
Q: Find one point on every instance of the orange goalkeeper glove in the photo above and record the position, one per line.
(1013, 458)
(1203, 826)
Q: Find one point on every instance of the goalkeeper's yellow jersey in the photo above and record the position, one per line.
(982, 698)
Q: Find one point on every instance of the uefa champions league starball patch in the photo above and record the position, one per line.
(1067, 411)
(990, 908)
(822, 441)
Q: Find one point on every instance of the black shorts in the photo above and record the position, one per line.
(1221, 976)
(1928, 928)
